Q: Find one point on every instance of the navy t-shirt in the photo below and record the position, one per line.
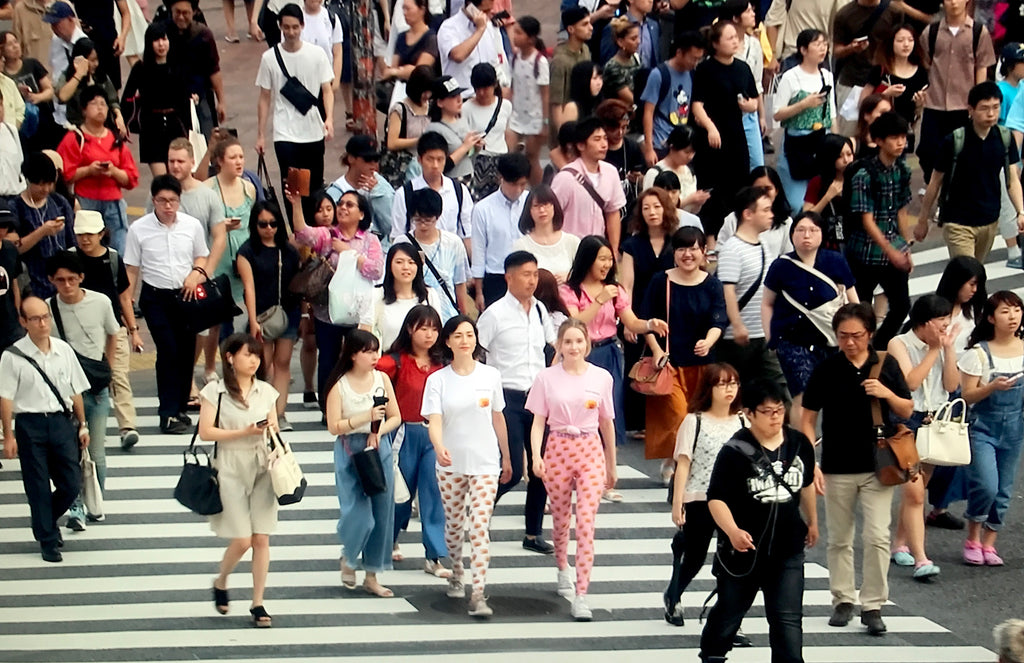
(973, 192)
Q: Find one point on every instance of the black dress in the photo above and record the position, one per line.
(161, 108)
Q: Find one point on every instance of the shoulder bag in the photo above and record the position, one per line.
(285, 473)
(274, 321)
(312, 280)
(46, 378)
(293, 90)
(820, 316)
(649, 377)
(944, 441)
(896, 459)
(588, 186)
(211, 306)
(96, 370)
(198, 489)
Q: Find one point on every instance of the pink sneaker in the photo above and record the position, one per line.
(973, 555)
(991, 558)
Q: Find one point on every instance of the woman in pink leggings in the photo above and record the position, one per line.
(574, 399)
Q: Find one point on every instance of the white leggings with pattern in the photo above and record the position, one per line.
(481, 490)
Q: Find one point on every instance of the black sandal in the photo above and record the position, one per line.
(220, 600)
(260, 618)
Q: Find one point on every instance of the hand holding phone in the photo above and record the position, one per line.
(233, 223)
(262, 423)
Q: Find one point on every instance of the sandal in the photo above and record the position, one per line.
(260, 618)
(433, 567)
(348, 576)
(377, 589)
(611, 496)
(231, 40)
(396, 554)
(220, 600)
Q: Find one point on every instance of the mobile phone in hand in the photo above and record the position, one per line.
(262, 423)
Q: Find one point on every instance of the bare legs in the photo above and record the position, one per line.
(260, 544)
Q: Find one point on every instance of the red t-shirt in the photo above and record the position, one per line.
(409, 383)
(814, 193)
(97, 187)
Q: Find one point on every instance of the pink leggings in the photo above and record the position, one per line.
(578, 459)
(481, 490)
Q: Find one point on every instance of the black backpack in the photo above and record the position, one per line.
(640, 79)
(933, 37)
(407, 189)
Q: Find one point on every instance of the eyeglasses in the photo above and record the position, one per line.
(854, 336)
(725, 384)
(349, 204)
(267, 224)
(168, 202)
(808, 230)
(772, 411)
(424, 220)
(689, 249)
(36, 319)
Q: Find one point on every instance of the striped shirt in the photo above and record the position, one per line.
(743, 264)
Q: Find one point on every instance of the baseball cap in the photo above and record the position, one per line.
(446, 86)
(58, 11)
(7, 219)
(363, 147)
(88, 221)
(1012, 53)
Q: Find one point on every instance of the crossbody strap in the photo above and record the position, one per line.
(494, 117)
(752, 290)
(280, 62)
(876, 404)
(216, 422)
(279, 252)
(588, 186)
(814, 270)
(432, 268)
(46, 378)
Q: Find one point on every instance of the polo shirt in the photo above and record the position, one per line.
(26, 389)
(562, 62)
(515, 339)
(495, 228)
(165, 254)
(581, 215)
(952, 72)
(450, 216)
(974, 190)
(490, 49)
(848, 435)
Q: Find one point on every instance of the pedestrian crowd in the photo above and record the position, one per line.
(539, 255)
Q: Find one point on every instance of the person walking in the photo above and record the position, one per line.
(403, 289)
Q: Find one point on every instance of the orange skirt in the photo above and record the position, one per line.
(665, 413)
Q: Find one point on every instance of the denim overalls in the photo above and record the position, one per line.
(997, 436)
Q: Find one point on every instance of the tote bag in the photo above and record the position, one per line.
(196, 137)
(285, 473)
(92, 496)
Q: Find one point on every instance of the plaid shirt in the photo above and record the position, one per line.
(882, 192)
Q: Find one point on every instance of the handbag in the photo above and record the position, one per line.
(196, 137)
(369, 469)
(293, 90)
(211, 306)
(274, 321)
(896, 459)
(285, 473)
(269, 194)
(97, 371)
(945, 441)
(649, 377)
(312, 280)
(198, 489)
(348, 290)
(382, 92)
(92, 495)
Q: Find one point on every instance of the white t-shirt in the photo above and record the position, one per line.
(466, 404)
(556, 258)
(386, 319)
(87, 323)
(310, 65)
(323, 30)
(775, 240)
(527, 105)
(795, 80)
(477, 118)
(448, 255)
(975, 362)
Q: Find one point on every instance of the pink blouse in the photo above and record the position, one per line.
(320, 239)
(605, 323)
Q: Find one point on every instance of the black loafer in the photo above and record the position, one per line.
(740, 640)
(538, 545)
(51, 554)
(841, 615)
(873, 620)
(172, 426)
(944, 520)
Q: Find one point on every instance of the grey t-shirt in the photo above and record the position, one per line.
(86, 324)
(204, 204)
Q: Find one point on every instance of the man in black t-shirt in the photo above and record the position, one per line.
(842, 387)
(10, 295)
(762, 482)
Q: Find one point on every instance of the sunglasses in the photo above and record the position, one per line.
(266, 224)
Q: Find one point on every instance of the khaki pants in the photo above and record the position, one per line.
(842, 493)
(974, 241)
(120, 387)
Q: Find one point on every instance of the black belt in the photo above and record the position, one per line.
(603, 342)
(41, 414)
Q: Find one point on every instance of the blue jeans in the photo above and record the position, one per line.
(795, 189)
(115, 218)
(97, 409)
(609, 357)
(417, 462)
(752, 129)
(366, 525)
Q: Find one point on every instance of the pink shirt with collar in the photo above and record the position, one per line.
(605, 323)
(580, 212)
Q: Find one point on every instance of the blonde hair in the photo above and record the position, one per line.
(621, 26)
(573, 323)
(1009, 637)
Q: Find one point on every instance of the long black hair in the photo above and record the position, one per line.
(958, 272)
(586, 256)
(356, 341)
(780, 206)
(984, 330)
(825, 160)
(280, 232)
(155, 32)
(419, 286)
(419, 316)
(479, 353)
(579, 88)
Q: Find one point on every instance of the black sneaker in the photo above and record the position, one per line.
(75, 524)
(309, 401)
(873, 620)
(944, 520)
(740, 640)
(766, 145)
(538, 545)
(185, 419)
(173, 426)
(841, 615)
(50, 553)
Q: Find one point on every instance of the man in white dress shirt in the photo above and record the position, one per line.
(66, 32)
(515, 330)
(496, 227)
(468, 38)
(167, 251)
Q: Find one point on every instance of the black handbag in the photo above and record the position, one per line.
(97, 371)
(371, 471)
(198, 489)
(293, 90)
(211, 306)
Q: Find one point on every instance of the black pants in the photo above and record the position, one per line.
(695, 537)
(48, 449)
(519, 421)
(175, 349)
(301, 155)
(782, 582)
(896, 286)
(494, 288)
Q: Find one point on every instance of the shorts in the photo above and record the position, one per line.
(526, 124)
(246, 491)
(292, 332)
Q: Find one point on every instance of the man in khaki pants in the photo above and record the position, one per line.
(843, 388)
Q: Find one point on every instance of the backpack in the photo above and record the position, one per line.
(959, 136)
(640, 84)
(407, 189)
(111, 259)
(933, 37)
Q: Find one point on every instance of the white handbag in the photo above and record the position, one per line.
(945, 441)
(92, 496)
(285, 473)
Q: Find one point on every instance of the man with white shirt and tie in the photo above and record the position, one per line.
(496, 227)
(515, 329)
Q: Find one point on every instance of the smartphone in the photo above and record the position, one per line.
(261, 423)
(233, 222)
(1017, 377)
(472, 11)
(60, 218)
(859, 39)
(826, 89)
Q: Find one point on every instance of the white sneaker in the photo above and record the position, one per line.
(478, 606)
(456, 590)
(567, 583)
(436, 568)
(580, 610)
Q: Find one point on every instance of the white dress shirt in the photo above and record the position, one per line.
(23, 386)
(515, 339)
(165, 254)
(60, 53)
(495, 228)
(449, 209)
(458, 29)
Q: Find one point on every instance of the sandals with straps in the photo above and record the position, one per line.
(260, 617)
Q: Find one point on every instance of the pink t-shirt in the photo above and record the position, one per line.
(572, 403)
(581, 215)
(605, 323)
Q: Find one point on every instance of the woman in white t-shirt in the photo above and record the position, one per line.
(541, 225)
(403, 288)
(366, 525)
(463, 405)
